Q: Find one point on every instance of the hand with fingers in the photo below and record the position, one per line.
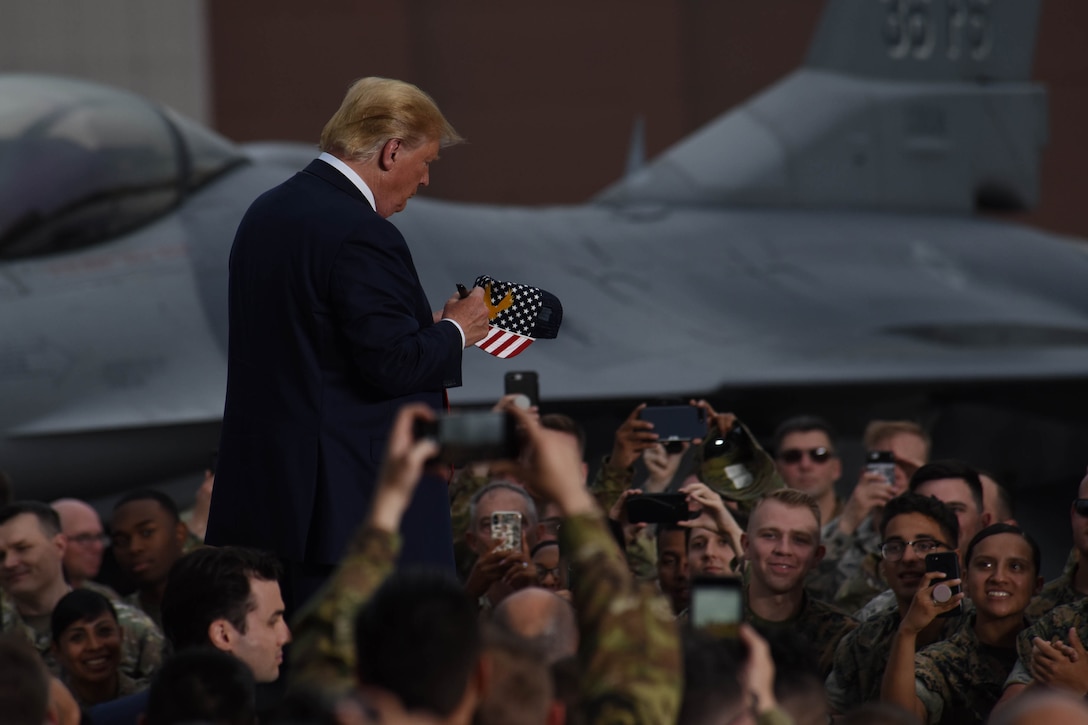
(632, 437)
(713, 513)
(618, 513)
(926, 605)
(1062, 665)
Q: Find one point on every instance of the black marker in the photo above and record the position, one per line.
(462, 290)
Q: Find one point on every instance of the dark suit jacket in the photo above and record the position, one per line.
(330, 334)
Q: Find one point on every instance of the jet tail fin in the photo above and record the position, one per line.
(904, 105)
(918, 40)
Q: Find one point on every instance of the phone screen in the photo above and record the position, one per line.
(676, 422)
(506, 530)
(717, 606)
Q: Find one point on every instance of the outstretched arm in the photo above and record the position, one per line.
(323, 652)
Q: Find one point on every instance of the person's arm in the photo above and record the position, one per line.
(898, 686)
(323, 651)
(714, 515)
(617, 470)
(629, 648)
(376, 300)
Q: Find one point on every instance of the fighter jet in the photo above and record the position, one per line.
(822, 246)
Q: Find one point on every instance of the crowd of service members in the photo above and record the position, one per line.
(563, 608)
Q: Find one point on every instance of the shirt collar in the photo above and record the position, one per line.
(351, 176)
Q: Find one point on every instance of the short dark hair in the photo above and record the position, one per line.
(566, 424)
(79, 605)
(209, 584)
(419, 638)
(24, 682)
(202, 685)
(712, 670)
(909, 502)
(802, 424)
(48, 519)
(1003, 528)
(937, 470)
(150, 494)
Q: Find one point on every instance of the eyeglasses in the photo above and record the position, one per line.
(816, 455)
(88, 539)
(543, 571)
(894, 550)
(1080, 505)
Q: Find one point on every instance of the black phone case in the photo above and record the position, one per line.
(657, 508)
(947, 562)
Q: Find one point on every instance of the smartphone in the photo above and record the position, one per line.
(524, 382)
(676, 422)
(947, 562)
(657, 508)
(465, 438)
(717, 606)
(506, 530)
(882, 462)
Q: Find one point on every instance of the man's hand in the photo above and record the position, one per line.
(470, 313)
(924, 609)
(401, 469)
(619, 515)
(871, 492)
(632, 437)
(1061, 665)
(496, 565)
(723, 421)
(758, 672)
(662, 465)
(554, 465)
(714, 515)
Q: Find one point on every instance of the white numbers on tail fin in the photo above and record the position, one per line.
(910, 28)
(969, 29)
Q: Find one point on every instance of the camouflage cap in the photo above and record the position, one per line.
(737, 467)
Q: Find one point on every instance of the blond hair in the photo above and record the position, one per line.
(376, 110)
(881, 430)
(790, 497)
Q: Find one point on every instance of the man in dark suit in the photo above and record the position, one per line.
(330, 334)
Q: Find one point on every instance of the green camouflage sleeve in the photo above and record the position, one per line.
(642, 557)
(323, 651)
(141, 648)
(463, 486)
(630, 645)
(610, 483)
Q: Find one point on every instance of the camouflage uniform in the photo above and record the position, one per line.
(607, 486)
(630, 648)
(849, 574)
(1056, 593)
(862, 656)
(141, 647)
(629, 655)
(152, 610)
(463, 486)
(960, 679)
(125, 686)
(102, 589)
(1055, 624)
(820, 623)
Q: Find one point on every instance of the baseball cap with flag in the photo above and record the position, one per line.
(518, 314)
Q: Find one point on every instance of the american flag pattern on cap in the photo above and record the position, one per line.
(519, 314)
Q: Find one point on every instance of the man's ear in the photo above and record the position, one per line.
(470, 540)
(821, 550)
(221, 635)
(181, 533)
(388, 155)
(986, 519)
(744, 543)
